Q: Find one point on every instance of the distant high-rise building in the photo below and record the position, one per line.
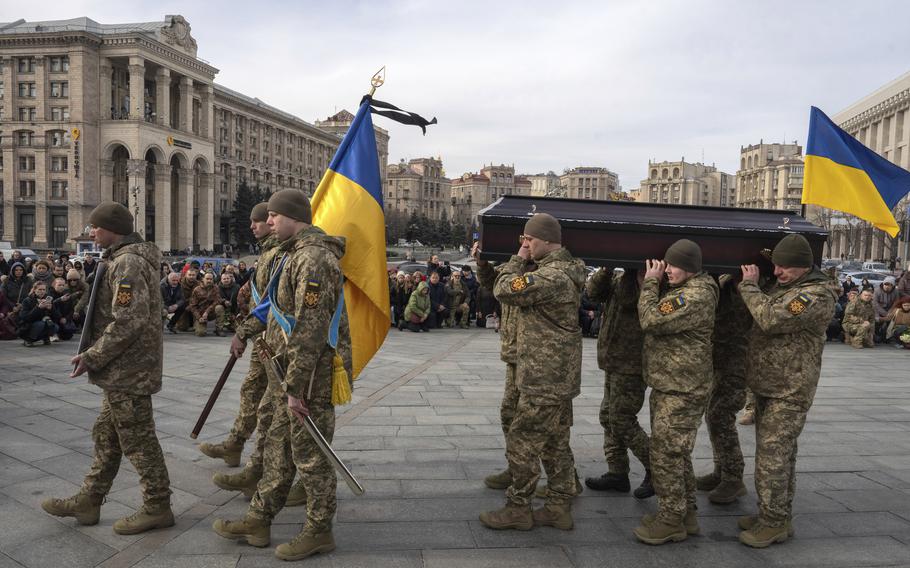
(418, 186)
(589, 183)
(770, 176)
(474, 191)
(684, 183)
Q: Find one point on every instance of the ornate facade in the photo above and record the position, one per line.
(770, 176)
(684, 183)
(589, 183)
(474, 191)
(418, 186)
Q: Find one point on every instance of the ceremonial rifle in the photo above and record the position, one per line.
(213, 397)
(86, 337)
(269, 359)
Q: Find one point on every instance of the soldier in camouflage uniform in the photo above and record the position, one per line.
(308, 290)
(728, 394)
(205, 305)
(782, 369)
(125, 361)
(678, 326)
(859, 321)
(255, 382)
(458, 299)
(619, 345)
(548, 376)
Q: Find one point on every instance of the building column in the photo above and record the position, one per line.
(107, 104)
(206, 212)
(106, 171)
(186, 104)
(135, 170)
(163, 237)
(42, 89)
(207, 118)
(40, 240)
(162, 103)
(9, 186)
(185, 196)
(137, 88)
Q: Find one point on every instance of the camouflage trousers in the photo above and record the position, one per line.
(674, 423)
(727, 396)
(251, 391)
(855, 335)
(265, 412)
(126, 426)
(459, 314)
(216, 315)
(778, 424)
(289, 449)
(624, 396)
(540, 433)
(509, 400)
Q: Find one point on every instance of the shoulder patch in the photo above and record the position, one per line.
(519, 283)
(671, 305)
(799, 304)
(124, 292)
(311, 293)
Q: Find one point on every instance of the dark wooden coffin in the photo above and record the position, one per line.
(623, 233)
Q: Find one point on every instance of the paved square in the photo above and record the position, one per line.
(421, 433)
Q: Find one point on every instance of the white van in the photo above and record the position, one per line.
(875, 266)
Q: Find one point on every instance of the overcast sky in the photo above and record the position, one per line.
(548, 85)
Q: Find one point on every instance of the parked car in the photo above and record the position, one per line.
(875, 266)
(875, 278)
(26, 253)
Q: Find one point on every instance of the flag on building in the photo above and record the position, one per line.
(843, 174)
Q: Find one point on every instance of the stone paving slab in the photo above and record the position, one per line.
(422, 432)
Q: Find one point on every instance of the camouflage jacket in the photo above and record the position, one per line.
(620, 339)
(308, 289)
(787, 338)
(204, 300)
(678, 326)
(508, 347)
(127, 345)
(188, 285)
(457, 293)
(732, 323)
(856, 313)
(548, 366)
(265, 267)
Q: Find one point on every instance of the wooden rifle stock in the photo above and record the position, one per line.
(86, 337)
(213, 397)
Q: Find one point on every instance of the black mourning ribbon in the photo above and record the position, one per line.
(397, 114)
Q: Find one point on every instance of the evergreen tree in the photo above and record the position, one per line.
(444, 229)
(413, 227)
(244, 201)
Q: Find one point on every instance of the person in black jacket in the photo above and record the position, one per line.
(588, 311)
(469, 280)
(228, 289)
(439, 310)
(173, 301)
(65, 303)
(37, 317)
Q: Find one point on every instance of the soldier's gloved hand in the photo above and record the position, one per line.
(238, 346)
(298, 407)
(750, 273)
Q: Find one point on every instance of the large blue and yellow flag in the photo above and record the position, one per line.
(348, 203)
(843, 174)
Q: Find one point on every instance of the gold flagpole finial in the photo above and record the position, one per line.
(377, 80)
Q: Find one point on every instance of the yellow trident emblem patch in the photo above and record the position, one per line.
(311, 294)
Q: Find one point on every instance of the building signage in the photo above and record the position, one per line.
(179, 143)
(76, 133)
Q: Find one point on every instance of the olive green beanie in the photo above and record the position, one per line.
(684, 254)
(260, 213)
(545, 227)
(793, 251)
(112, 216)
(292, 203)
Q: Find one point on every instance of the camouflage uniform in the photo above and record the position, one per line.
(677, 361)
(205, 305)
(458, 295)
(187, 285)
(782, 369)
(857, 313)
(548, 372)
(728, 393)
(255, 381)
(619, 345)
(308, 289)
(125, 360)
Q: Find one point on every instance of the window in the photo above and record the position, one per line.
(60, 89)
(224, 187)
(224, 205)
(2, 90)
(58, 189)
(60, 114)
(59, 230)
(27, 90)
(26, 64)
(60, 138)
(60, 64)
(26, 228)
(26, 188)
(27, 114)
(25, 138)
(59, 163)
(26, 163)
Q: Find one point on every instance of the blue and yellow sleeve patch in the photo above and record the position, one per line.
(799, 304)
(670, 305)
(520, 283)
(311, 294)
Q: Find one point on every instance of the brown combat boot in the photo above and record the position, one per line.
(501, 480)
(727, 491)
(228, 451)
(509, 517)
(541, 491)
(85, 508)
(708, 481)
(304, 545)
(690, 521)
(147, 518)
(245, 481)
(660, 531)
(749, 521)
(761, 535)
(559, 516)
(255, 532)
(296, 496)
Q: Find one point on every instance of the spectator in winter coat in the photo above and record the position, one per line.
(903, 284)
(18, 284)
(37, 316)
(173, 302)
(899, 323)
(401, 294)
(469, 280)
(419, 310)
(587, 313)
(89, 266)
(41, 272)
(4, 265)
(7, 318)
(439, 301)
(188, 283)
(228, 289)
(883, 300)
(65, 304)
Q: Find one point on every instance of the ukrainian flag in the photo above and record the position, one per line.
(348, 203)
(843, 174)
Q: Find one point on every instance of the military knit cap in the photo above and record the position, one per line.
(544, 227)
(291, 203)
(793, 251)
(112, 216)
(684, 254)
(260, 213)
